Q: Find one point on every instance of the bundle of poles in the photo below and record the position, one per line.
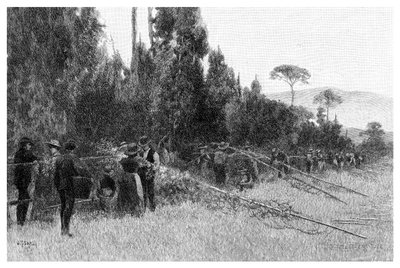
(256, 157)
(274, 209)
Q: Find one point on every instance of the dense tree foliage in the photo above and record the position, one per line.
(51, 54)
(180, 45)
(374, 144)
(62, 83)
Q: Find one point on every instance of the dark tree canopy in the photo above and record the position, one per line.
(51, 55)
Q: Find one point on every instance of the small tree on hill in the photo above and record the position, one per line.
(290, 74)
(374, 131)
(374, 145)
(328, 99)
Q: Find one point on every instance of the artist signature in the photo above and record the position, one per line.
(26, 244)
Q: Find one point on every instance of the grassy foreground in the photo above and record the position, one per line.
(191, 232)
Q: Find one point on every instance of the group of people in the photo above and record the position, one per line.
(318, 160)
(312, 160)
(140, 167)
(247, 168)
(64, 169)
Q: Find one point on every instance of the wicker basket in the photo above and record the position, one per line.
(109, 203)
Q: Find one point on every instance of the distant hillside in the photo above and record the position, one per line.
(354, 135)
(357, 110)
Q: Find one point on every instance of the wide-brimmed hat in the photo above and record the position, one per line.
(25, 140)
(132, 149)
(53, 143)
(144, 140)
(223, 146)
(70, 145)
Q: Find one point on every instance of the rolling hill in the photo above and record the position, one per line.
(354, 135)
(356, 111)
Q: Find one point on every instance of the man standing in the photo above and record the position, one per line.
(309, 161)
(280, 160)
(220, 161)
(22, 176)
(148, 173)
(202, 160)
(63, 181)
(321, 160)
(250, 166)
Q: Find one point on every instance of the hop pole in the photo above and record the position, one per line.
(297, 179)
(296, 215)
(313, 177)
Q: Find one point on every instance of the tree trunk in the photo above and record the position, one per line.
(327, 113)
(134, 60)
(291, 88)
(150, 26)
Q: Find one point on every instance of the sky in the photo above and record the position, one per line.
(346, 48)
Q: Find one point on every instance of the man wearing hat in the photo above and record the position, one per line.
(309, 160)
(148, 173)
(131, 190)
(63, 180)
(220, 161)
(281, 160)
(321, 159)
(22, 176)
(250, 166)
(64, 171)
(203, 159)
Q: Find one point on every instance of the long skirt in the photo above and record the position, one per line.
(130, 196)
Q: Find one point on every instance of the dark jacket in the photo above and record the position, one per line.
(22, 173)
(81, 167)
(64, 173)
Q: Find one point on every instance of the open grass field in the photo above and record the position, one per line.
(192, 232)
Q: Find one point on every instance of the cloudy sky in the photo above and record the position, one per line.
(346, 48)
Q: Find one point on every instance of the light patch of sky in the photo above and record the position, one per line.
(346, 48)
